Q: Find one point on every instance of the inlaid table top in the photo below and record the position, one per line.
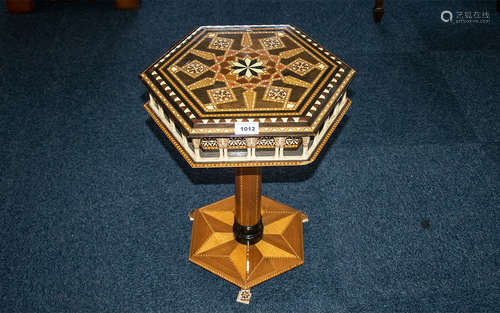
(219, 76)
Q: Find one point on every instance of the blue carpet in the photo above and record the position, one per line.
(404, 204)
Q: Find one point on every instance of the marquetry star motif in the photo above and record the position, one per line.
(213, 246)
(247, 67)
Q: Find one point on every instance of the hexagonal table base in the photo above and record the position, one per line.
(214, 248)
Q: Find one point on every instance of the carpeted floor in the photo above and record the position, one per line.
(404, 204)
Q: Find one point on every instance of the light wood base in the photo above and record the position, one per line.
(20, 6)
(214, 248)
(127, 4)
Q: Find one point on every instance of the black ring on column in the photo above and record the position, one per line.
(248, 234)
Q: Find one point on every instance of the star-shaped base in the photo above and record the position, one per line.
(213, 246)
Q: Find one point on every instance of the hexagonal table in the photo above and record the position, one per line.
(247, 97)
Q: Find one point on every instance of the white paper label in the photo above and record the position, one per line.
(246, 128)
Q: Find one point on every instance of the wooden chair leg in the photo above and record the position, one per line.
(127, 4)
(378, 10)
(20, 6)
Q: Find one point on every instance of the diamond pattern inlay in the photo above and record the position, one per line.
(220, 43)
(300, 66)
(271, 43)
(277, 94)
(221, 95)
(195, 68)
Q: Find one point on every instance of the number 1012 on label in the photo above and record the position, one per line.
(246, 128)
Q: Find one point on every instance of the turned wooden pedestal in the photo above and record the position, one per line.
(226, 239)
